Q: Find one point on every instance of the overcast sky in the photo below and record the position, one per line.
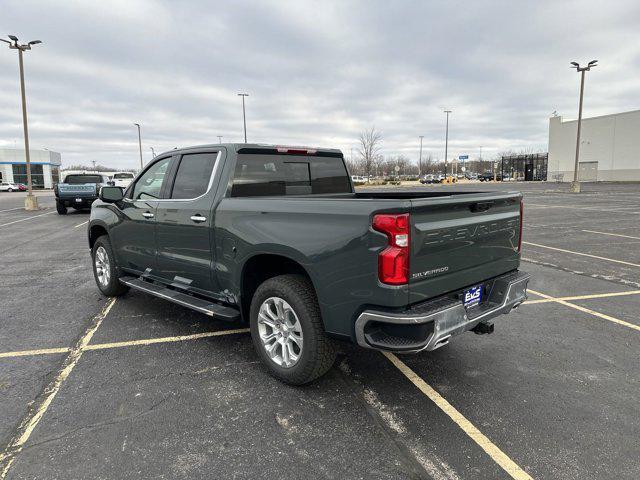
(317, 73)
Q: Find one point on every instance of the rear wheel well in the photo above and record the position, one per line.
(96, 232)
(261, 268)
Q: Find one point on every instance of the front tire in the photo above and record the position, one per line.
(62, 210)
(287, 330)
(105, 270)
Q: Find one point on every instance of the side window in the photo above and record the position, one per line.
(329, 175)
(193, 175)
(149, 184)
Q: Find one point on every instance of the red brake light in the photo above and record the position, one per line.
(521, 223)
(393, 261)
(296, 150)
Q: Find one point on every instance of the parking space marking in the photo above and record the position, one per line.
(151, 341)
(39, 407)
(80, 224)
(583, 254)
(127, 343)
(582, 297)
(587, 310)
(12, 209)
(476, 435)
(573, 207)
(42, 351)
(612, 234)
(25, 219)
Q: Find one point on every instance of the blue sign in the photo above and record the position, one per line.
(463, 157)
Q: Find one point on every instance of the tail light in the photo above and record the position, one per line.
(521, 223)
(393, 261)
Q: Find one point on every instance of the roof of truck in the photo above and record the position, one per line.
(253, 147)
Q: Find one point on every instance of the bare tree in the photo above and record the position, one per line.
(369, 149)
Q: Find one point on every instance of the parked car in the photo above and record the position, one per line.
(78, 191)
(488, 177)
(9, 187)
(428, 178)
(22, 187)
(276, 236)
(122, 179)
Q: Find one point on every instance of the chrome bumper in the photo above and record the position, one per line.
(431, 325)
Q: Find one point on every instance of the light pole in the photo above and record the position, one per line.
(30, 202)
(139, 144)
(219, 138)
(153, 153)
(420, 158)
(575, 185)
(446, 143)
(244, 116)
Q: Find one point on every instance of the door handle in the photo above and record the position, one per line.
(147, 215)
(198, 218)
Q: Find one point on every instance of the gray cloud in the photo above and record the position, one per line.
(317, 72)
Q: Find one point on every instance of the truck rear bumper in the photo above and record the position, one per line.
(77, 202)
(430, 325)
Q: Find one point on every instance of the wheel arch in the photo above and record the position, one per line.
(261, 267)
(96, 230)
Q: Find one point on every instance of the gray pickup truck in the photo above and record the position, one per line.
(78, 191)
(277, 237)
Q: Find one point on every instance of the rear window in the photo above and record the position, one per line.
(80, 179)
(263, 175)
(120, 176)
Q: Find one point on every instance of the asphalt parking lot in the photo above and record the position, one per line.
(140, 388)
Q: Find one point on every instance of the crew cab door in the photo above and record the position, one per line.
(185, 222)
(134, 236)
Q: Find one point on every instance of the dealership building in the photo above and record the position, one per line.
(45, 167)
(609, 148)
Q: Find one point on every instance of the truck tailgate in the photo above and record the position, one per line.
(460, 240)
(77, 190)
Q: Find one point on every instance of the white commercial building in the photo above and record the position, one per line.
(45, 167)
(609, 148)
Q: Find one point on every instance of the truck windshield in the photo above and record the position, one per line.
(80, 179)
(267, 174)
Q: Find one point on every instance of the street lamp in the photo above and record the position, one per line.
(219, 138)
(153, 152)
(420, 158)
(575, 185)
(31, 202)
(244, 117)
(139, 144)
(446, 143)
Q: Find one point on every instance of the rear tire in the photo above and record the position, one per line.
(105, 269)
(62, 210)
(287, 330)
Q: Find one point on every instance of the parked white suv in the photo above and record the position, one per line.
(9, 187)
(122, 179)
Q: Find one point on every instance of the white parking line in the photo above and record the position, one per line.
(571, 207)
(37, 411)
(25, 219)
(612, 234)
(80, 224)
(582, 297)
(587, 310)
(12, 209)
(127, 343)
(467, 427)
(582, 254)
